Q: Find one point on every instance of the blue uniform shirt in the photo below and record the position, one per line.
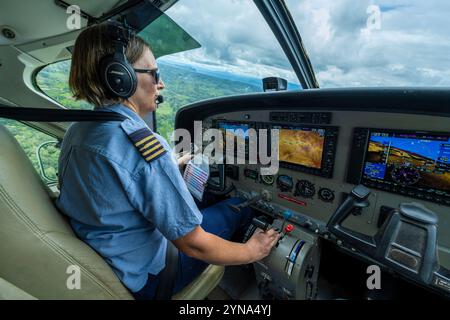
(122, 204)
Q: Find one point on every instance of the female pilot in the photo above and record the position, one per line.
(122, 188)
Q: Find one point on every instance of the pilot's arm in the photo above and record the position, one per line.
(208, 247)
(160, 193)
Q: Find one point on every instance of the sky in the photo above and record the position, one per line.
(234, 38)
(351, 43)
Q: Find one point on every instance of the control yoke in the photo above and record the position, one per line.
(356, 199)
(406, 241)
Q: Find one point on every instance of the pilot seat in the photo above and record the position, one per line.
(38, 246)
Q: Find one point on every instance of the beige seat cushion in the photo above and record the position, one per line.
(37, 245)
(9, 291)
(202, 285)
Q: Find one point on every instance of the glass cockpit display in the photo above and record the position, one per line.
(236, 130)
(302, 146)
(309, 149)
(235, 138)
(410, 161)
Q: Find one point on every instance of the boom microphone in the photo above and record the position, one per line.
(160, 99)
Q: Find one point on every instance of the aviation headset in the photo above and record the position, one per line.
(116, 73)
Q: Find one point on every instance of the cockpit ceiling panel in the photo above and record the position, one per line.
(96, 8)
(34, 22)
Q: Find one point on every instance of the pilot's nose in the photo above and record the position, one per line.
(161, 85)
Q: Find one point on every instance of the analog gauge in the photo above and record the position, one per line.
(326, 195)
(285, 183)
(269, 180)
(405, 175)
(305, 189)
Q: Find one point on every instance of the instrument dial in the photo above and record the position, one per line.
(405, 175)
(268, 180)
(326, 195)
(305, 189)
(285, 183)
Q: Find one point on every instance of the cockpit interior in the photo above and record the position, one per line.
(346, 188)
(355, 179)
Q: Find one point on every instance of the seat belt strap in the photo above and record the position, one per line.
(57, 115)
(169, 274)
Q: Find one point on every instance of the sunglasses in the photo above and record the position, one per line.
(154, 72)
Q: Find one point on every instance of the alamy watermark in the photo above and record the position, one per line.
(373, 22)
(374, 280)
(74, 20)
(73, 281)
(374, 19)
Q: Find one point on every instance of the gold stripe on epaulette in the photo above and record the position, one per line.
(155, 155)
(140, 143)
(151, 143)
(152, 149)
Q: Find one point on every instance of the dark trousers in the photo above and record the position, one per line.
(218, 219)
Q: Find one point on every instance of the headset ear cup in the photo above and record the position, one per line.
(118, 77)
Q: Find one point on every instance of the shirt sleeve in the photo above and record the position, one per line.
(160, 193)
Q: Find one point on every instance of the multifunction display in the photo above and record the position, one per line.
(407, 162)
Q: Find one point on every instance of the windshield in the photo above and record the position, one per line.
(205, 49)
(376, 42)
(236, 41)
(238, 50)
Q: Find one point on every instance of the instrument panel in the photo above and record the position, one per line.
(323, 155)
(378, 192)
(412, 163)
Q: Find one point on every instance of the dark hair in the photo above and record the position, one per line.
(91, 46)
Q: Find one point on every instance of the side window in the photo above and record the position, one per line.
(39, 147)
(53, 80)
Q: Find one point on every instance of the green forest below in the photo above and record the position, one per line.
(184, 85)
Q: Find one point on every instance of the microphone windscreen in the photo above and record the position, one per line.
(160, 99)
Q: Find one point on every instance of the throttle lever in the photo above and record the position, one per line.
(264, 226)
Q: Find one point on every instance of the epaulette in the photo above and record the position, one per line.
(147, 144)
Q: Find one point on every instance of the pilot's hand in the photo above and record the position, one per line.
(183, 160)
(261, 243)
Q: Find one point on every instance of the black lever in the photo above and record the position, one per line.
(264, 226)
(356, 199)
(249, 202)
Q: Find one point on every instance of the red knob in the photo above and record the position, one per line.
(289, 228)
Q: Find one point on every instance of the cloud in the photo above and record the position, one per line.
(411, 47)
(234, 38)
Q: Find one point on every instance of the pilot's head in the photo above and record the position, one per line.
(91, 46)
